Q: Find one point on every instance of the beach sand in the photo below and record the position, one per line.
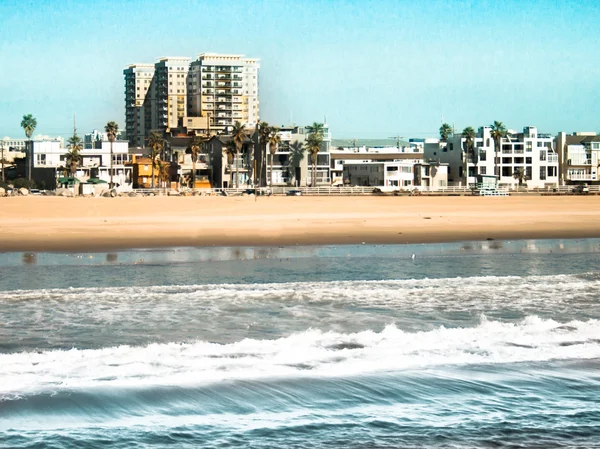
(98, 224)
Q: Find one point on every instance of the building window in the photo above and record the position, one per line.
(528, 172)
(542, 173)
(551, 171)
(482, 170)
(528, 160)
(482, 155)
(542, 155)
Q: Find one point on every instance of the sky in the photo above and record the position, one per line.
(374, 69)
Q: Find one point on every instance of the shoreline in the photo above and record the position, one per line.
(56, 224)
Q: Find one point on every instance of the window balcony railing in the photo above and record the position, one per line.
(579, 176)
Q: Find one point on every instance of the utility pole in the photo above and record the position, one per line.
(398, 138)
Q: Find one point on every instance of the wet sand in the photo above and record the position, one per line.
(98, 224)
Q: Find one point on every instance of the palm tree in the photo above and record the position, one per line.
(264, 131)
(445, 131)
(520, 175)
(469, 135)
(163, 168)
(230, 151)
(498, 133)
(29, 124)
(313, 146)
(314, 139)
(296, 156)
(274, 141)
(3, 161)
(156, 144)
(194, 147)
(239, 136)
(316, 128)
(73, 156)
(111, 129)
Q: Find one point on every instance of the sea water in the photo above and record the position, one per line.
(480, 344)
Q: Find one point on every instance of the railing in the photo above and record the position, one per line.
(363, 190)
(579, 176)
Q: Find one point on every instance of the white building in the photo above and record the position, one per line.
(579, 155)
(224, 88)
(342, 156)
(95, 162)
(529, 150)
(397, 175)
(15, 148)
(292, 166)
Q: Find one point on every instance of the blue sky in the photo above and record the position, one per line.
(374, 68)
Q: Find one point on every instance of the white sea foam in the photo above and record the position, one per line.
(308, 353)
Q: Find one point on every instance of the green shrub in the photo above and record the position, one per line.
(23, 182)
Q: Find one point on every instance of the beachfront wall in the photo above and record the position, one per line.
(530, 151)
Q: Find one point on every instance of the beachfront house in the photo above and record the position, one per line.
(290, 165)
(396, 175)
(95, 162)
(579, 155)
(224, 168)
(529, 152)
(356, 156)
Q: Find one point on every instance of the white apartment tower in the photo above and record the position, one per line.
(138, 78)
(224, 88)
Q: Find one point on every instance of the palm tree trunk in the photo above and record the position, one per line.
(263, 165)
(272, 171)
(237, 168)
(193, 172)
(30, 162)
(152, 173)
(111, 165)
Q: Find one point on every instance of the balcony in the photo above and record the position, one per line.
(579, 161)
(553, 158)
(580, 177)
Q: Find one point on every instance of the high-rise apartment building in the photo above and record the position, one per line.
(225, 88)
(171, 93)
(138, 78)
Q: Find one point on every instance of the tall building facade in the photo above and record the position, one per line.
(175, 92)
(224, 88)
(138, 79)
(170, 93)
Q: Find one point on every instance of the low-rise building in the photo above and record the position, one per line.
(579, 155)
(291, 163)
(352, 155)
(396, 175)
(529, 151)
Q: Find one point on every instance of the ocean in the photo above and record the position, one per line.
(459, 345)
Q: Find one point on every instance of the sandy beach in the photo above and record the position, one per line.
(97, 224)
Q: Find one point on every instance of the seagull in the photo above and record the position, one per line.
(412, 257)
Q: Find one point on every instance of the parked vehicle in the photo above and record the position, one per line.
(35, 192)
(581, 189)
(294, 192)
